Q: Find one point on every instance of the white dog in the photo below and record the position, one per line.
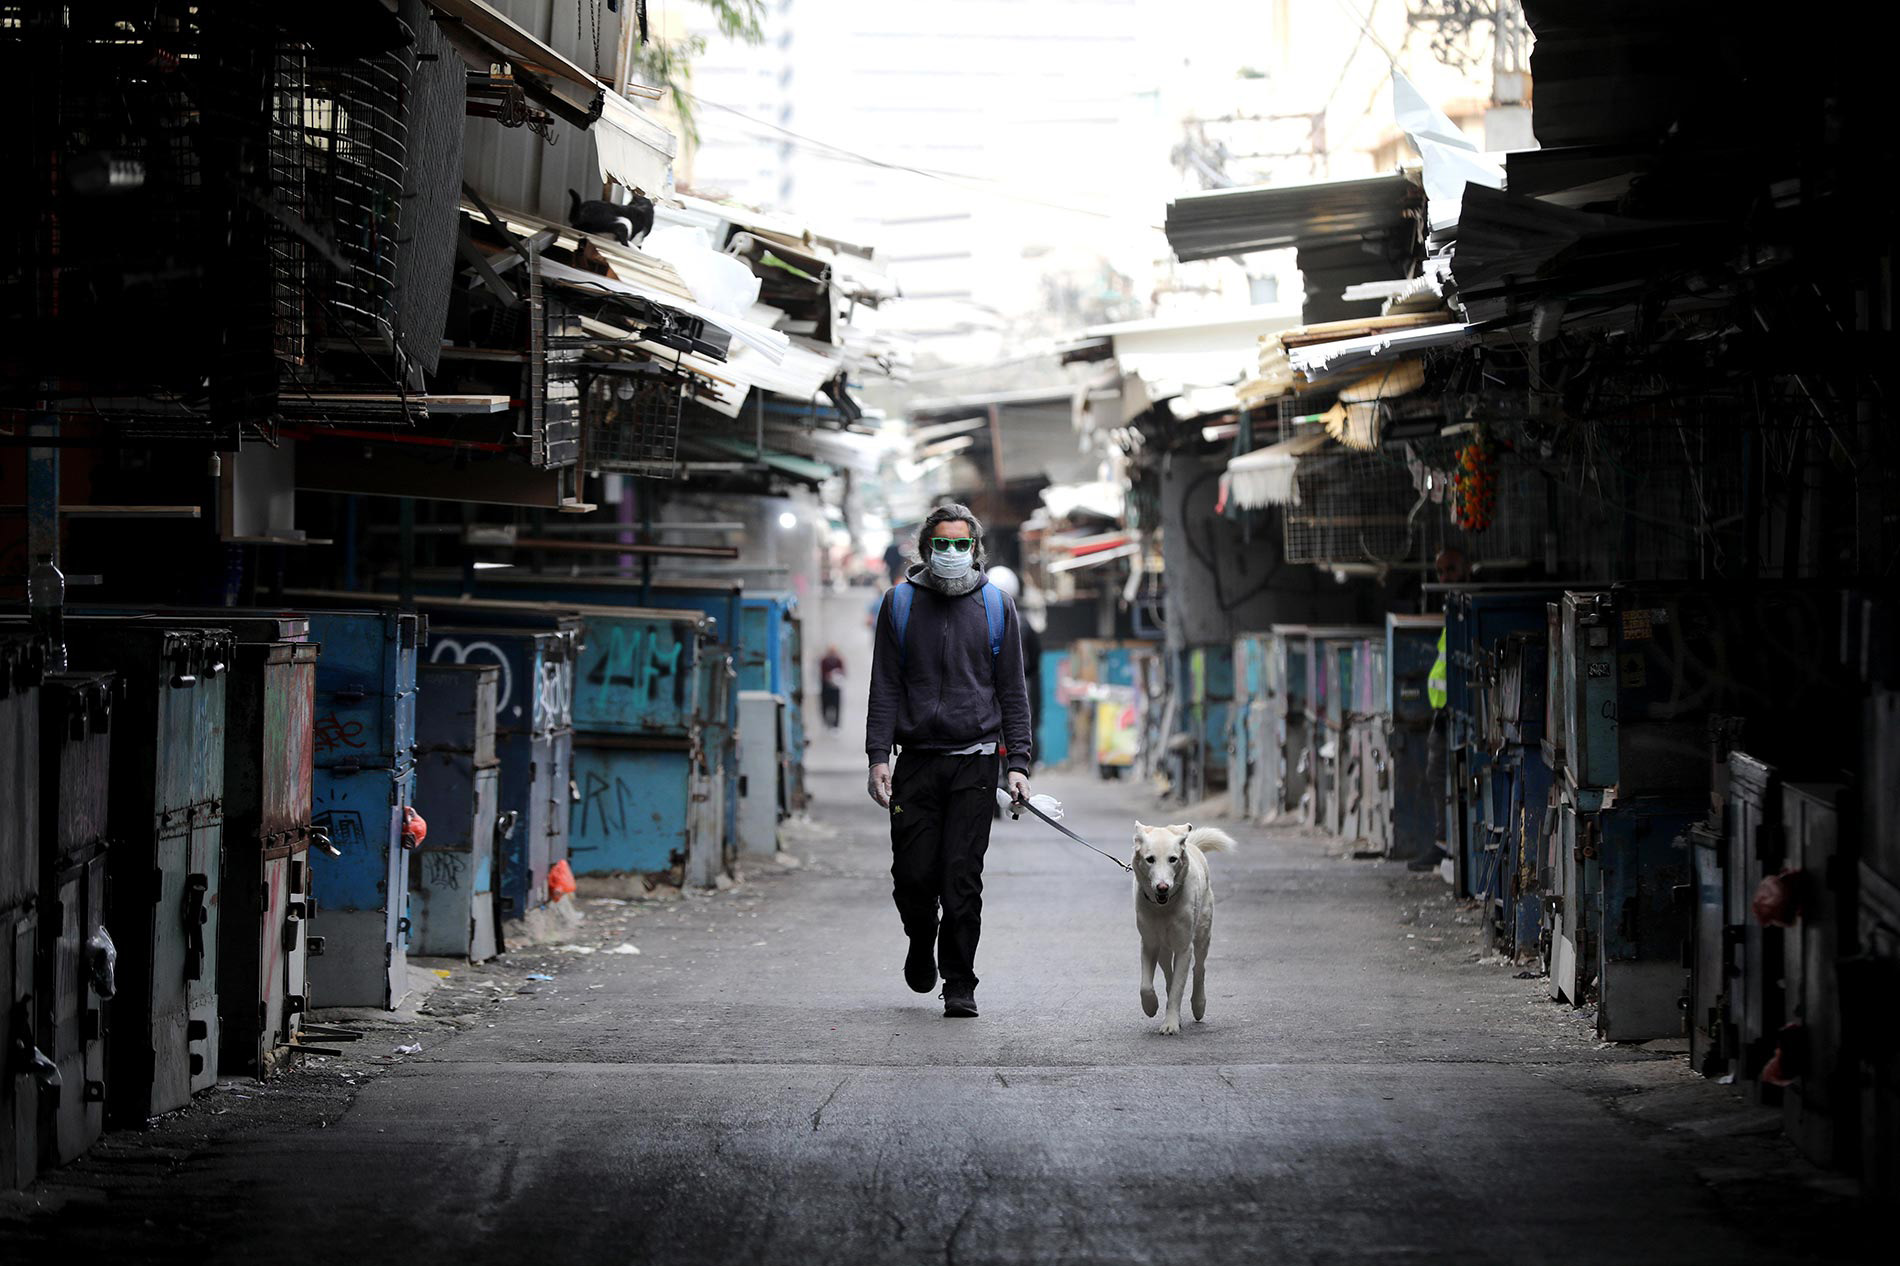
(1174, 911)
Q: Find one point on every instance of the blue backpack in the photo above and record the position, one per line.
(902, 595)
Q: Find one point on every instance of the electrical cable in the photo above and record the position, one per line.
(960, 180)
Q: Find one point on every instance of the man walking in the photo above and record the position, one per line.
(947, 692)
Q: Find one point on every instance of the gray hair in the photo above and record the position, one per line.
(951, 513)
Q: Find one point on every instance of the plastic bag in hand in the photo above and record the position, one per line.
(1049, 805)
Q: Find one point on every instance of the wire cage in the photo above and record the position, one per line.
(1352, 507)
(339, 151)
(137, 277)
(555, 339)
(632, 423)
(203, 210)
(1520, 513)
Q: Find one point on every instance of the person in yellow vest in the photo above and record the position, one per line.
(1452, 569)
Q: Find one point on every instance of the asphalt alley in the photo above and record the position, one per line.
(757, 1084)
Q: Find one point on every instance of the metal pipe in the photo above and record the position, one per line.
(616, 528)
(623, 528)
(646, 534)
(638, 548)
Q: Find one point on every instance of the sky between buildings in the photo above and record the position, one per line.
(1012, 160)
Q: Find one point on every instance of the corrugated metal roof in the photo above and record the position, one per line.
(1238, 221)
(605, 132)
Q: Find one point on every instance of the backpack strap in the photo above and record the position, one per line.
(993, 609)
(901, 597)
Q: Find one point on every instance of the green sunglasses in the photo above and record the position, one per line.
(945, 544)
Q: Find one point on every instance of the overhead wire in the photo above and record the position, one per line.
(961, 180)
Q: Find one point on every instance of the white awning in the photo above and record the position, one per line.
(1080, 561)
(1316, 359)
(1264, 477)
(633, 148)
(768, 343)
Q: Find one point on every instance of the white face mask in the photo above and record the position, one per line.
(951, 564)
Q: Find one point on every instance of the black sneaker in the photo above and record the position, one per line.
(959, 1001)
(920, 965)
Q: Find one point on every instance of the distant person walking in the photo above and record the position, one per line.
(947, 693)
(1452, 569)
(830, 686)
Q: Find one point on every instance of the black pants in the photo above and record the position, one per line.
(830, 699)
(940, 829)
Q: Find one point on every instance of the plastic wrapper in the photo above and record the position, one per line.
(1049, 805)
(102, 961)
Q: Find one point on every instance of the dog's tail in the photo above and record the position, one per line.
(573, 207)
(1211, 839)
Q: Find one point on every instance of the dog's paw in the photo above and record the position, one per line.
(1149, 1002)
(1200, 1009)
(1171, 1026)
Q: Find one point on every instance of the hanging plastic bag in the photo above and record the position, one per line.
(102, 961)
(560, 880)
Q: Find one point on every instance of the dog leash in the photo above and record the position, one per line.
(1024, 804)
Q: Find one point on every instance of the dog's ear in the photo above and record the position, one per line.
(1180, 828)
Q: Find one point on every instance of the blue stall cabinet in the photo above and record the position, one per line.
(452, 872)
(264, 960)
(768, 656)
(756, 632)
(1523, 782)
(1364, 816)
(27, 1071)
(1246, 761)
(360, 928)
(263, 952)
(1209, 682)
(1288, 781)
(1326, 656)
(635, 811)
(75, 781)
(166, 823)
(1411, 643)
(363, 747)
(535, 651)
(1052, 736)
(1478, 619)
(1642, 862)
(651, 695)
(631, 687)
